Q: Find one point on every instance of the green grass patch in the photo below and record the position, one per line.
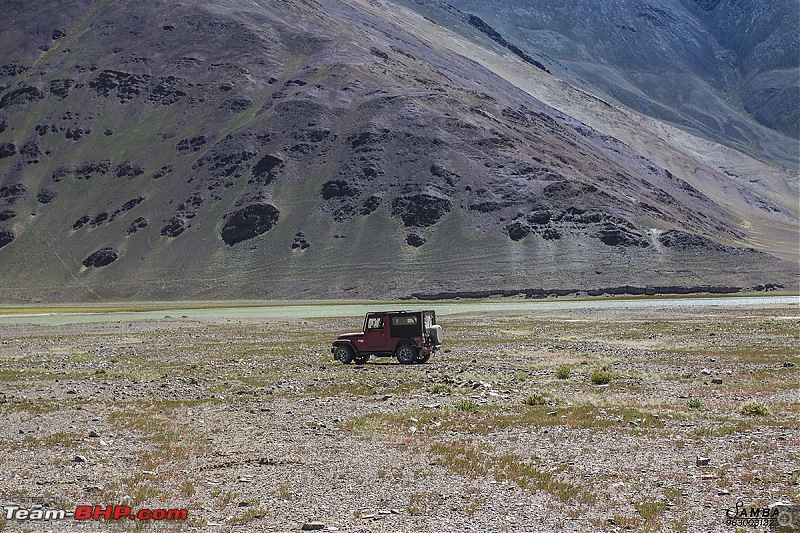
(563, 372)
(466, 405)
(694, 403)
(600, 376)
(754, 409)
(440, 388)
(536, 399)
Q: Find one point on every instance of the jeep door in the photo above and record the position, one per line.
(375, 333)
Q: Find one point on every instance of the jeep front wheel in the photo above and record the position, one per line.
(344, 353)
(406, 354)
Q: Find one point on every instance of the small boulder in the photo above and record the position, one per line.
(300, 241)
(416, 240)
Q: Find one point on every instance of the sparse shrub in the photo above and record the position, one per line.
(187, 488)
(650, 510)
(754, 409)
(440, 388)
(535, 399)
(563, 372)
(466, 405)
(521, 376)
(600, 376)
(694, 403)
(248, 516)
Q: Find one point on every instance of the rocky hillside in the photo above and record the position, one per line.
(722, 68)
(234, 149)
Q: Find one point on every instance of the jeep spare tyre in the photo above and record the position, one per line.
(436, 334)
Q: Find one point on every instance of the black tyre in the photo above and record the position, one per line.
(344, 354)
(423, 357)
(360, 359)
(406, 354)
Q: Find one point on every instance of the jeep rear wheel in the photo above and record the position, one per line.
(423, 357)
(406, 354)
(344, 353)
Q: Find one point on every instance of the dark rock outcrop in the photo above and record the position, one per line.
(101, 258)
(300, 241)
(45, 196)
(540, 216)
(265, 170)
(249, 222)
(6, 214)
(682, 240)
(136, 225)
(187, 146)
(338, 189)
(123, 85)
(236, 105)
(61, 88)
(370, 205)
(478, 23)
(420, 210)
(6, 237)
(168, 90)
(416, 240)
(126, 169)
(76, 133)
(614, 235)
(517, 231)
(228, 161)
(83, 171)
(21, 96)
(7, 149)
(174, 227)
(12, 193)
(99, 219)
(31, 153)
(81, 222)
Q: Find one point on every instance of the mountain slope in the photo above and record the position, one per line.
(727, 70)
(236, 149)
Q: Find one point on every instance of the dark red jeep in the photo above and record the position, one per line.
(411, 336)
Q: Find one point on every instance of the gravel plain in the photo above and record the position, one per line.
(250, 426)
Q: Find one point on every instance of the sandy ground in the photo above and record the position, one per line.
(250, 426)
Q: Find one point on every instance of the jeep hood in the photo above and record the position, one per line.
(350, 336)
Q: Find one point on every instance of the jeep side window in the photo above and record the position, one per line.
(375, 322)
(404, 320)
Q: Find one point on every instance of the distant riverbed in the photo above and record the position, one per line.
(337, 309)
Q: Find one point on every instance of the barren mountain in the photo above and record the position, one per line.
(725, 69)
(346, 148)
